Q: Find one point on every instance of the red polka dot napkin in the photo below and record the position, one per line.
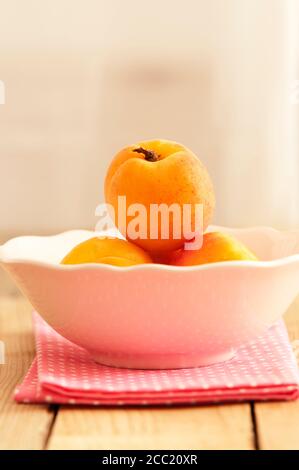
(62, 372)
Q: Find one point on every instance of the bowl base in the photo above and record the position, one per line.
(175, 361)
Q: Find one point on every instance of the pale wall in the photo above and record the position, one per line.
(85, 78)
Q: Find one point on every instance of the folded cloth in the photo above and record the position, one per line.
(62, 372)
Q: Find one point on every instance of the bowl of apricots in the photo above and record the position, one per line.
(158, 286)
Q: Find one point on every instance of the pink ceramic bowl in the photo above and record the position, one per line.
(156, 316)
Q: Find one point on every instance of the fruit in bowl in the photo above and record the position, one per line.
(159, 172)
(115, 298)
(216, 247)
(107, 250)
(153, 315)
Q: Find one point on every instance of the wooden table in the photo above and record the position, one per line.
(236, 426)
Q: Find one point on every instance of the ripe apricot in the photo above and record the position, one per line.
(159, 172)
(217, 246)
(107, 251)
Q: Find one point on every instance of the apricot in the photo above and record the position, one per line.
(159, 172)
(217, 246)
(107, 251)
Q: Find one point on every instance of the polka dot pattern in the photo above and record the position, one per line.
(65, 373)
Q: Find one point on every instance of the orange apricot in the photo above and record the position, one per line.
(107, 251)
(159, 172)
(217, 246)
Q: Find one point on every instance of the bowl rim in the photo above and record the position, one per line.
(290, 259)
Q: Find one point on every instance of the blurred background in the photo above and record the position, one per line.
(85, 78)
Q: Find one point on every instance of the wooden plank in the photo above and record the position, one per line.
(207, 427)
(277, 424)
(21, 426)
(7, 286)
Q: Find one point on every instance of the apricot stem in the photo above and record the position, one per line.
(150, 155)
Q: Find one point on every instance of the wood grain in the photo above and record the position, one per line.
(207, 427)
(277, 424)
(21, 426)
(7, 286)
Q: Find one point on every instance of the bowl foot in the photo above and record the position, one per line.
(175, 361)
